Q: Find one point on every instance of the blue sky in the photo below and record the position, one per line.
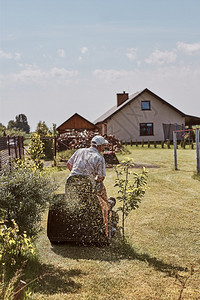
(59, 57)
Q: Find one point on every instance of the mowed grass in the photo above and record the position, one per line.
(163, 241)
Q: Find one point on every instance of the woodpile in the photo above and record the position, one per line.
(81, 139)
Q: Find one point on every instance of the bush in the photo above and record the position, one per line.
(15, 250)
(24, 193)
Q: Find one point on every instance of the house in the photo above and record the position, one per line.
(76, 122)
(143, 116)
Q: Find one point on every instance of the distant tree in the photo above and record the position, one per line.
(42, 129)
(22, 123)
(55, 132)
(11, 124)
(2, 130)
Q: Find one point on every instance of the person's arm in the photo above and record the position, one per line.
(71, 161)
(69, 166)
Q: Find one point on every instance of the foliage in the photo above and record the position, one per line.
(7, 288)
(124, 150)
(66, 154)
(44, 132)
(11, 132)
(11, 124)
(24, 193)
(54, 130)
(20, 123)
(42, 129)
(36, 150)
(15, 248)
(2, 129)
(131, 190)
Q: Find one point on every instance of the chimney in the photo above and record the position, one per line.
(121, 98)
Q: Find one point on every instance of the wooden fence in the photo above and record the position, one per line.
(11, 148)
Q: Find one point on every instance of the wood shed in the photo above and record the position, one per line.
(76, 122)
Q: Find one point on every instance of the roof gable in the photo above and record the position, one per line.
(76, 122)
(133, 97)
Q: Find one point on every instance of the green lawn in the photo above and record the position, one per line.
(163, 241)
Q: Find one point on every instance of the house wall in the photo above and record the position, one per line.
(125, 124)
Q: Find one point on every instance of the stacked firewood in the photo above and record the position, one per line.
(81, 139)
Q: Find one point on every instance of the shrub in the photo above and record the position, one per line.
(15, 249)
(24, 193)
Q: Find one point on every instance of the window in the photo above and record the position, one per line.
(145, 105)
(146, 129)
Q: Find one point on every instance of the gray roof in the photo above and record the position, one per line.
(116, 108)
(190, 120)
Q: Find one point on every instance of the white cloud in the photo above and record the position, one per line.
(28, 75)
(9, 55)
(131, 54)
(111, 75)
(61, 52)
(161, 57)
(61, 73)
(35, 75)
(17, 55)
(189, 49)
(84, 50)
(5, 55)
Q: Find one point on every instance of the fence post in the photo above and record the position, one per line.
(197, 150)
(55, 141)
(15, 146)
(175, 150)
(9, 153)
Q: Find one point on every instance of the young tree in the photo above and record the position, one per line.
(36, 150)
(132, 187)
(42, 129)
(45, 133)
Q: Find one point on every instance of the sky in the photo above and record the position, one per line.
(61, 57)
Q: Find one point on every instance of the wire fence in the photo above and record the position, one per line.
(11, 148)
